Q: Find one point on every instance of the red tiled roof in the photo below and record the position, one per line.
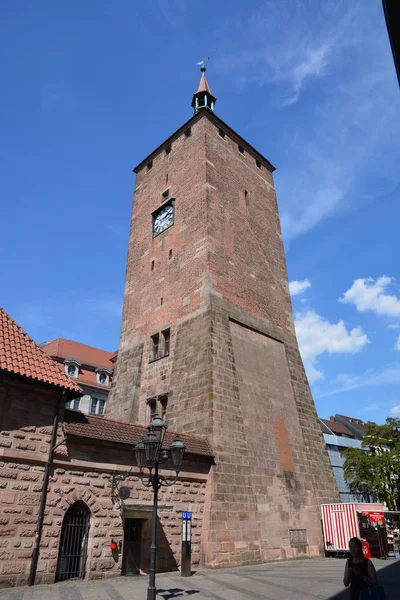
(20, 355)
(203, 85)
(86, 377)
(88, 355)
(112, 430)
(337, 427)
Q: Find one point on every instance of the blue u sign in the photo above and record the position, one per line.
(186, 516)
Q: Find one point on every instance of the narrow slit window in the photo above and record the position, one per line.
(246, 197)
(149, 165)
(221, 133)
(162, 300)
(166, 177)
(241, 149)
(170, 253)
(152, 265)
(165, 342)
(163, 401)
(188, 132)
(165, 194)
(167, 149)
(258, 164)
(152, 404)
(155, 347)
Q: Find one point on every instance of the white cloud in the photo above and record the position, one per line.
(395, 411)
(368, 294)
(317, 336)
(298, 287)
(347, 382)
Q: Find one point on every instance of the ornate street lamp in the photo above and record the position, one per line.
(150, 454)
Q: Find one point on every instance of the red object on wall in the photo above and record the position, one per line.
(366, 550)
(113, 545)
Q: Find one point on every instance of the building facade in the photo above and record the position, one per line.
(91, 460)
(90, 367)
(342, 432)
(208, 340)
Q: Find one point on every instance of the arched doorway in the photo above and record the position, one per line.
(72, 552)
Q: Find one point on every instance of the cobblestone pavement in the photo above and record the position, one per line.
(319, 579)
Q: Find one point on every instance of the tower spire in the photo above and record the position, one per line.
(203, 98)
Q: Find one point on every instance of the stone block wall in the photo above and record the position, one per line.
(271, 468)
(82, 471)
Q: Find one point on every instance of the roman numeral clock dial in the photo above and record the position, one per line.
(163, 219)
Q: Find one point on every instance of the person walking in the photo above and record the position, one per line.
(359, 571)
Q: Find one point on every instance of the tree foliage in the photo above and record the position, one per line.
(378, 464)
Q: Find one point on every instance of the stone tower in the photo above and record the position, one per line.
(208, 340)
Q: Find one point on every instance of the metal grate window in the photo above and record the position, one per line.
(72, 553)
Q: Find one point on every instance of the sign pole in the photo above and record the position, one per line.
(186, 558)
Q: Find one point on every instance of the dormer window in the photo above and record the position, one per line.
(72, 368)
(103, 376)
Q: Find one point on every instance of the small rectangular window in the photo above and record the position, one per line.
(68, 404)
(102, 404)
(149, 165)
(188, 132)
(77, 403)
(241, 149)
(155, 342)
(165, 194)
(165, 342)
(166, 177)
(246, 197)
(152, 265)
(167, 149)
(93, 406)
(162, 300)
(170, 253)
(258, 164)
(221, 133)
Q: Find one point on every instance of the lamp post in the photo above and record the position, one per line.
(365, 492)
(150, 454)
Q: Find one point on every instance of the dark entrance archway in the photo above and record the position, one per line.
(72, 552)
(131, 554)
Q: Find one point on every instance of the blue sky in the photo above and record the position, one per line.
(90, 88)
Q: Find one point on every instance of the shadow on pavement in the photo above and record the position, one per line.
(175, 593)
(388, 576)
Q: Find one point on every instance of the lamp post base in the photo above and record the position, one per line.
(151, 593)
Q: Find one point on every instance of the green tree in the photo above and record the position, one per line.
(378, 464)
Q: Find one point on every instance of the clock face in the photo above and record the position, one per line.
(163, 220)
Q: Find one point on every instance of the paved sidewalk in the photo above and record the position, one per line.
(319, 579)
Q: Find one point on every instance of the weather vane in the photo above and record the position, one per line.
(203, 64)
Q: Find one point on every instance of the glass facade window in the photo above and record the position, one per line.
(102, 404)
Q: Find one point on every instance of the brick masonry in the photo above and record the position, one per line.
(82, 471)
(234, 373)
